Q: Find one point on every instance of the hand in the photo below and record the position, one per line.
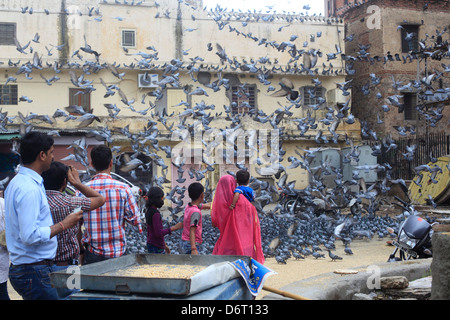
(167, 249)
(72, 219)
(73, 176)
(178, 226)
(194, 252)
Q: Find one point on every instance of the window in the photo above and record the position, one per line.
(7, 33)
(410, 102)
(8, 94)
(128, 38)
(410, 38)
(243, 99)
(80, 97)
(313, 96)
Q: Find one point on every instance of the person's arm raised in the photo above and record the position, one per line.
(96, 198)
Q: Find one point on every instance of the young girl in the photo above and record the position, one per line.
(155, 230)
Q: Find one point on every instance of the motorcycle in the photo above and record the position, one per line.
(413, 240)
(292, 203)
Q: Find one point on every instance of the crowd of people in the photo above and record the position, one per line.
(47, 230)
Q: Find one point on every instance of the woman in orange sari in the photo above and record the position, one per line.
(240, 231)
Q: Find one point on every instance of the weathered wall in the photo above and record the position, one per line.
(440, 266)
(385, 59)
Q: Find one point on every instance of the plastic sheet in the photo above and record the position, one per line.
(254, 274)
(212, 276)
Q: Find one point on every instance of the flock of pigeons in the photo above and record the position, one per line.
(285, 234)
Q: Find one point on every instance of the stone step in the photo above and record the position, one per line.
(419, 289)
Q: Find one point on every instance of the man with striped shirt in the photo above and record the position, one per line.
(104, 235)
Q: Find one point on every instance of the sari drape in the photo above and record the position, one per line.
(240, 231)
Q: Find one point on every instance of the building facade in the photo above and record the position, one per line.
(336, 8)
(399, 65)
(143, 76)
(401, 89)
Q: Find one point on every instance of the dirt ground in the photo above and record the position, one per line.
(365, 253)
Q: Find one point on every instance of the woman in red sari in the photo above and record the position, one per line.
(240, 231)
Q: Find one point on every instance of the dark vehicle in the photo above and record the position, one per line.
(300, 202)
(291, 202)
(414, 236)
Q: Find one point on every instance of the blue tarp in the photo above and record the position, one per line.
(254, 274)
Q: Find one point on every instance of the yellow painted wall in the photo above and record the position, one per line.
(169, 37)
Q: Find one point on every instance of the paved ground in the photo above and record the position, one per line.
(365, 253)
(12, 293)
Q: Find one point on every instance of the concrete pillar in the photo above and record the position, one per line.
(440, 266)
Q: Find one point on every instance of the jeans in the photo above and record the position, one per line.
(153, 249)
(32, 282)
(90, 257)
(64, 293)
(185, 247)
(4, 291)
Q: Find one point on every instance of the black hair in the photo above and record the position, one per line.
(242, 177)
(54, 177)
(154, 196)
(195, 190)
(32, 143)
(101, 157)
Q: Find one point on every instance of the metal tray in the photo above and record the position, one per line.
(93, 278)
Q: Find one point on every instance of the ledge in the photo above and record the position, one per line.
(332, 286)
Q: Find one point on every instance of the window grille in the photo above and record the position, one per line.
(8, 94)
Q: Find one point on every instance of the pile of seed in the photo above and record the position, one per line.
(170, 271)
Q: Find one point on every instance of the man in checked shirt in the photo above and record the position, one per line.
(104, 235)
(61, 205)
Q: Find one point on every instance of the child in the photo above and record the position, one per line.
(191, 237)
(155, 230)
(242, 178)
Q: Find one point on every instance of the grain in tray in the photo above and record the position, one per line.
(173, 271)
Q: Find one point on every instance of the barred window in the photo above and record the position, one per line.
(8, 94)
(243, 99)
(80, 97)
(313, 95)
(128, 38)
(7, 33)
(410, 38)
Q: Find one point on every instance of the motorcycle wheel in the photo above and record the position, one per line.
(290, 204)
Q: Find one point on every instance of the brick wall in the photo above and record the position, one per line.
(350, 11)
(382, 42)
